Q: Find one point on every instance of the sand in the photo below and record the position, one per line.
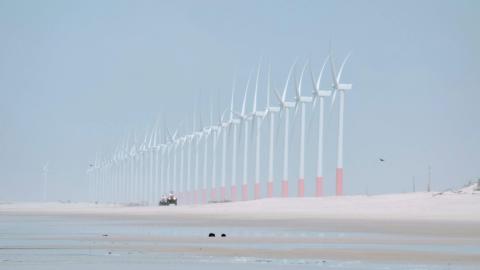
(417, 228)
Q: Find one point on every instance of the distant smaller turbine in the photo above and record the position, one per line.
(45, 175)
(234, 122)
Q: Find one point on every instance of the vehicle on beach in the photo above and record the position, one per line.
(167, 200)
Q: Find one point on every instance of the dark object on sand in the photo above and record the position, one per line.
(211, 235)
(167, 200)
(223, 235)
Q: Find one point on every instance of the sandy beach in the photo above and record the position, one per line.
(398, 230)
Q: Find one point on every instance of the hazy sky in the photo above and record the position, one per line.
(77, 76)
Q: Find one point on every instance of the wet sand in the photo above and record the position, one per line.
(268, 238)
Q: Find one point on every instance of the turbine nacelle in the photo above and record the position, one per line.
(273, 109)
(342, 86)
(259, 114)
(322, 93)
(303, 99)
(288, 104)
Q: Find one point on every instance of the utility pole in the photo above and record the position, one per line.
(413, 183)
(45, 173)
(429, 178)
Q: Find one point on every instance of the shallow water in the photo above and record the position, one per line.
(61, 242)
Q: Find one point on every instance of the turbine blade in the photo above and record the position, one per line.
(268, 85)
(233, 94)
(333, 98)
(321, 73)
(312, 77)
(297, 90)
(238, 114)
(288, 80)
(222, 116)
(256, 89)
(279, 97)
(301, 78)
(343, 64)
(246, 91)
(332, 69)
(314, 101)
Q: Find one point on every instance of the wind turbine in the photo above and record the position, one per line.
(181, 142)
(206, 133)
(244, 118)
(340, 88)
(45, 174)
(189, 167)
(164, 163)
(285, 105)
(234, 122)
(173, 143)
(89, 182)
(134, 170)
(301, 100)
(198, 136)
(271, 111)
(257, 116)
(215, 130)
(114, 174)
(157, 148)
(320, 95)
(151, 150)
(143, 152)
(95, 179)
(223, 127)
(121, 172)
(102, 179)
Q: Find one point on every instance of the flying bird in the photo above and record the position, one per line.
(381, 159)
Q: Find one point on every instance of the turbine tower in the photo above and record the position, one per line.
(190, 139)
(133, 173)
(181, 188)
(151, 150)
(143, 152)
(198, 137)
(234, 122)
(301, 100)
(156, 181)
(244, 118)
(224, 127)
(285, 105)
(270, 110)
(215, 130)
(206, 133)
(163, 164)
(340, 88)
(257, 116)
(320, 95)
